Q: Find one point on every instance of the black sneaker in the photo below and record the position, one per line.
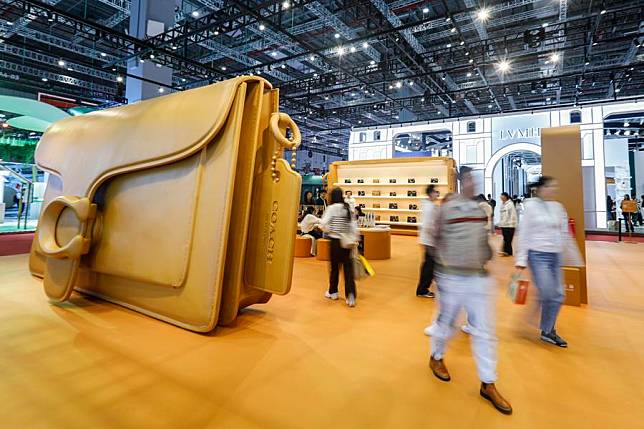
(553, 338)
(426, 295)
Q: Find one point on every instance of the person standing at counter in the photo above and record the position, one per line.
(427, 219)
(543, 237)
(311, 224)
(508, 223)
(338, 223)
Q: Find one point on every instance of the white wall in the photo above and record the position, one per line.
(639, 172)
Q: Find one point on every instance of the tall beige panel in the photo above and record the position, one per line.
(561, 158)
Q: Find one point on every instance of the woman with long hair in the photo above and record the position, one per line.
(542, 241)
(340, 227)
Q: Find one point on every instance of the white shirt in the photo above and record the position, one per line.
(508, 215)
(487, 208)
(429, 210)
(352, 203)
(335, 222)
(543, 228)
(309, 223)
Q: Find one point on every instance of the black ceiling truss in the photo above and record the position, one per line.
(453, 74)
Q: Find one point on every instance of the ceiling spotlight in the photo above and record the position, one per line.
(471, 61)
(103, 54)
(548, 98)
(489, 106)
(618, 90)
(504, 66)
(602, 12)
(544, 25)
(223, 68)
(174, 47)
(161, 90)
(453, 30)
(587, 63)
(44, 79)
(326, 98)
(359, 122)
(554, 57)
(365, 45)
(9, 23)
(69, 69)
(283, 66)
(372, 62)
(311, 58)
(626, 124)
(467, 54)
(195, 14)
(391, 87)
(262, 27)
(353, 94)
(141, 60)
(453, 101)
(449, 45)
(158, 65)
(462, 43)
(594, 43)
(315, 75)
(273, 54)
(151, 56)
(352, 49)
(483, 14)
(425, 10)
(469, 74)
(286, 5)
(448, 19)
(422, 99)
(337, 35)
(61, 63)
(340, 50)
(119, 79)
(411, 83)
(183, 79)
(216, 32)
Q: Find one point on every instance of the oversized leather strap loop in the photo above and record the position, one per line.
(84, 210)
(281, 121)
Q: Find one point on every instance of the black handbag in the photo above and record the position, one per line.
(393, 219)
(392, 194)
(433, 180)
(360, 180)
(411, 193)
(347, 180)
(411, 180)
(413, 207)
(393, 205)
(411, 219)
(361, 193)
(392, 180)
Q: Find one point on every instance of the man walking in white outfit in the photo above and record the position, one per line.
(462, 251)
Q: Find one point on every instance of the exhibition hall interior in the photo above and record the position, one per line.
(321, 213)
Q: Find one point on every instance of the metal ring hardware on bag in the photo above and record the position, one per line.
(278, 122)
(84, 210)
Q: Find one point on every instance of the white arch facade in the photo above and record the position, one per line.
(495, 136)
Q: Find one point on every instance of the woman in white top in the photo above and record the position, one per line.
(310, 224)
(338, 221)
(542, 235)
(427, 219)
(507, 223)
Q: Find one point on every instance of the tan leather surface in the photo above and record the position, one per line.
(148, 218)
(173, 181)
(137, 136)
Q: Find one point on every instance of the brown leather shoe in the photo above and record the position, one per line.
(489, 392)
(439, 369)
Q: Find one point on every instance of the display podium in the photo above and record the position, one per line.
(392, 189)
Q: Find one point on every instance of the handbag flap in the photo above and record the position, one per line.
(86, 150)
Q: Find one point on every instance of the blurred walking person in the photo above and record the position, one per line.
(508, 223)
(428, 217)
(462, 253)
(340, 227)
(543, 241)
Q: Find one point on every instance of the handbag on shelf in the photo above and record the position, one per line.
(376, 206)
(392, 194)
(375, 193)
(411, 219)
(376, 181)
(361, 193)
(347, 180)
(433, 180)
(413, 207)
(159, 219)
(393, 205)
(411, 180)
(360, 180)
(411, 193)
(392, 180)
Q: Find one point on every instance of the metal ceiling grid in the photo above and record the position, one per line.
(344, 63)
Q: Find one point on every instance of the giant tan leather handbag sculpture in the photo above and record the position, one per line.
(180, 207)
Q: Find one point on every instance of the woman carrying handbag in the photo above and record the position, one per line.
(545, 244)
(341, 228)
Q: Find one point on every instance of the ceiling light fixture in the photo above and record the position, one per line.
(489, 106)
(544, 25)
(216, 32)
(469, 74)
(453, 30)
(471, 61)
(283, 66)
(483, 14)
(587, 63)
(223, 68)
(44, 79)
(161, 90)
(626, 124)
(103, 54)
(340, 50)
(311, 58)
(352, 49)
(262, 27)
(554, 57)
(365, 45)
(326, 98)
(273, 54)
(141, 60)
(449, 45)
(603, 11)
(195, 14)
(462, 43)
(372, 62)
(618, 90)
(61, 63)
(119, 79)
(337, 35)
(425, 10)
(411, 83)
(286, 5)
(151, 56)
(504, 66)
(69, 69)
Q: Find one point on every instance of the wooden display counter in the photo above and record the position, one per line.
(376, 243)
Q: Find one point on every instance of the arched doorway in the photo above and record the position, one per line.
(517, 148)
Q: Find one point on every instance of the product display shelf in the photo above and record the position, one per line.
(372, 185)
(384, 209)
(422, 170)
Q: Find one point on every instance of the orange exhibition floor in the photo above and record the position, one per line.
(302, 361)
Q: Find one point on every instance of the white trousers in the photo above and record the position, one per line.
(477, 296)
